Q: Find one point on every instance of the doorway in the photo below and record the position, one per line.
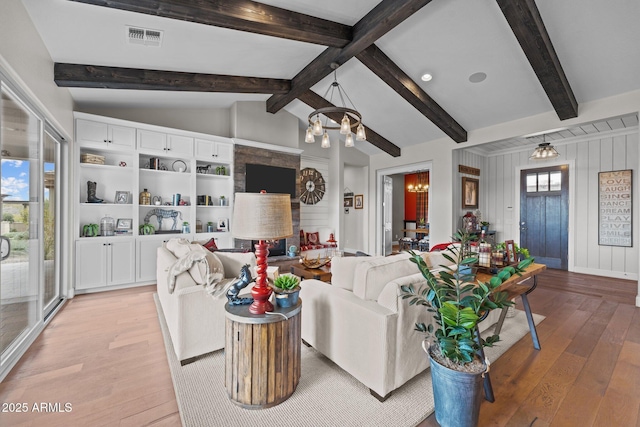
(386, 228)
(544, 214)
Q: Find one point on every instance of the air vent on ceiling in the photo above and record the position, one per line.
(144, 36)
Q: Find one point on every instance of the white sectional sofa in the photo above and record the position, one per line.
(196, 320)
(361, 323)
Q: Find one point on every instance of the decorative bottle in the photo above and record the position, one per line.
(145, 197)
(107, 226)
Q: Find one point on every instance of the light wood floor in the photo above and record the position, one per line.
(103, 353)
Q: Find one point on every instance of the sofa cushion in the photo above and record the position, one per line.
(371, 276)
(435, 260)
(313, 238)
(232, 262)
(211, 245)
(343, 269)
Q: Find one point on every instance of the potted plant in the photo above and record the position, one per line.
(457, 305)
(286, 289)
(146, 229)
(185, 227)
(523, 253)
(90, 230)
(484, 225)
(222, 201)
(210, 227)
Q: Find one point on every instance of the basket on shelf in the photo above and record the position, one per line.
(91, 158)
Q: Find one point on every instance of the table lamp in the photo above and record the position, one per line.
(262, 216)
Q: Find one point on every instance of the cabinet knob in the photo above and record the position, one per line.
(104, 140)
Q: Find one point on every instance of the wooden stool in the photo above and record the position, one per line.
(262, 355)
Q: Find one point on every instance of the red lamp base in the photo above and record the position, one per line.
(261, 291)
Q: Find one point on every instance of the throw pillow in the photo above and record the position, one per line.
(313, 238)
(303, 238)
(178, 247)
(211, 245)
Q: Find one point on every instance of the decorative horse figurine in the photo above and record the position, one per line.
(244, 278)
(164, 213)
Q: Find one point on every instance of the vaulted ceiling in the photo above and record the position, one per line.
(537, 57)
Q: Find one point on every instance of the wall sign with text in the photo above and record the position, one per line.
(615, 208)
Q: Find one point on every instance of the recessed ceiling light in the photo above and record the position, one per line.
(426, 77)
(477, 77)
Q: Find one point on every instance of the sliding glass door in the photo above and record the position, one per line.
(20, 136)
(50, 218)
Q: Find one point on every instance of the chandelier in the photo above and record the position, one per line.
(544, 151)
(422, 184)
(351, 118)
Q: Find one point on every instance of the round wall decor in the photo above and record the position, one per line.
(312, 186)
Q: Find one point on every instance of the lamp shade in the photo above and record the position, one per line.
(262, 216)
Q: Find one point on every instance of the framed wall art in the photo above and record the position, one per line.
(122, 197)
(615, 208)
(348, 202)
(470, 190)
(359, 201)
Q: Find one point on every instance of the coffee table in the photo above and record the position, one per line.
(323, 273)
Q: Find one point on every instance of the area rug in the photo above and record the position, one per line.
(326, 395)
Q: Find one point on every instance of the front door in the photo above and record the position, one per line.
(544, 215)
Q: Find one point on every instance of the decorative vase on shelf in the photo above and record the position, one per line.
(145, 197)
(107, 226)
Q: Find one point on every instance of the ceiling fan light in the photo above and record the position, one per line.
(309, 138)
(348, 142)
(360, 133)
(317, 126)
(345, 125)
(326, 143)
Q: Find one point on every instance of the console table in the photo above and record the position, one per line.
(262, 355)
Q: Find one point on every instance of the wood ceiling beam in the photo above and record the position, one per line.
(315, 101)
(241, 15)
(380, 20)
(526, 23)
(94, 76)
(376, 60)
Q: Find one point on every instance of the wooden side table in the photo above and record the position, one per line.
(262, 355)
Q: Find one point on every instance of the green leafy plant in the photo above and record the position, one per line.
(146, 229)
(457, 303)
(286, 283)
(90, 230)
(521, 251)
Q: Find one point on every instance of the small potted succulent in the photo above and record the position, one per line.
(210, 227)
(90, 230)
(286, 289)
(185, 227)
(223, 201)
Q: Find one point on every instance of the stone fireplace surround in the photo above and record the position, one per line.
(245, 154)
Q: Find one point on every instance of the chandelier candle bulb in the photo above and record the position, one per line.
(348, 142)
(317, 126)
(309, 138)
(360, 133)
(345, 125)
(326, 143)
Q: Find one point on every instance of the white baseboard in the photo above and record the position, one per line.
(606, 273)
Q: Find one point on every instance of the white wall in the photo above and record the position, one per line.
(211, 121)
(355, 177)
(250, 120)
(24, 57)
(313, 217)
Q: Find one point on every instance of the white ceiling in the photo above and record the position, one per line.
(596, 41)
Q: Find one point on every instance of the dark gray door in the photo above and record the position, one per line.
(544, 214)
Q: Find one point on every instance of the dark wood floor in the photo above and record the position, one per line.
(588, 370)
(103, 353)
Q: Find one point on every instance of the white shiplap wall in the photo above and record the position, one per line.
(314, 217)
(586, 156)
